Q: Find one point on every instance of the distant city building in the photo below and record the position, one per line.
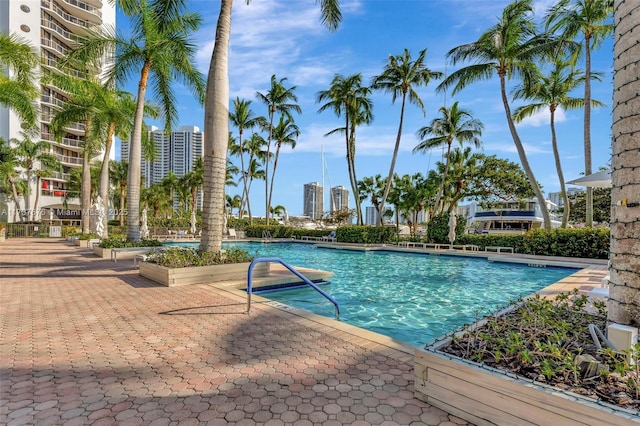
(370, 215)
(339, 198)
(313, 200)
(557, 199)
(176, 152)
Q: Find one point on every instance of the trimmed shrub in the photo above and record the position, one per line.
(122, 243)
(438, 228)
(592, 243)
(366, 234)
(178, 257)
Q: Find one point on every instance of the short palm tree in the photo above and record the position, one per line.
(552, 92)
(19, 91)
(373, 187)
(243, 118)
(278, 99)
(285, 133)
(9, 177)
(507, 49)
(591, 19)
(118, 171)
(454, 124)
(348, 97)
(34, 156)
(401, 76)
(160, 51)
(216, 120)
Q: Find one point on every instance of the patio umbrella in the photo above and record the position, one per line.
(452, 227)
(98, 217)
(600, 179)
(144, 229)
(193, 222)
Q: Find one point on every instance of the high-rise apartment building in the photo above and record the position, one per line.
(370, 215)
(313, 200)
(176, 152)
(53, 28)
(339, 198)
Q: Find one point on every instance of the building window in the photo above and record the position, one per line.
(25, 8)
(25, 28)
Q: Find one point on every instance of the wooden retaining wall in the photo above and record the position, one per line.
(485, 397)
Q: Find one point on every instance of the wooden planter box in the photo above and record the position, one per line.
(86, 243)
(104, 253)
(485, 396)
(171, 277)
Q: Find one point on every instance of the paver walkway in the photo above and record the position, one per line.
(84, 341)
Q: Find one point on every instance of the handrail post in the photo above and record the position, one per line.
(292, 270)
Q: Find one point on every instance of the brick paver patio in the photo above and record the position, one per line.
(84, 341)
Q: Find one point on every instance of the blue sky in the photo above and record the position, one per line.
(285, 38)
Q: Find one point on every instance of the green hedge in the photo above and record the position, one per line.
(592, 243)
(120, 243)
(438, 228)
(366, 234)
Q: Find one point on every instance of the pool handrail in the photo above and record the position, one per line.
(292, 270)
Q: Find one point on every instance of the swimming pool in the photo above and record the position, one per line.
(411, 297)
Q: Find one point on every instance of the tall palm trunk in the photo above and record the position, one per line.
(393, 161)
(27, 197)
(556, 156)
(36, 213)
(123, 194)
(266, 167)
(440, 195)
(587, 128)
(351, 164)
(624, 293)
(273, 175)
(16, 197)
(85, 199)
(523, 156)
(216, 134)
(135, 161)
(103, 191)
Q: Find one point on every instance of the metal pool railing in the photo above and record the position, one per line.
(292, 270)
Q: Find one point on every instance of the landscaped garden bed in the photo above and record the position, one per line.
(182, 266)
(535, 363)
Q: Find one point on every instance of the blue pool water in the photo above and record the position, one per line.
(411, 297)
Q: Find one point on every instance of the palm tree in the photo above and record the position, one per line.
(8, 175)
(243, 118)
(33, 156)
(507, 49)
(552, 92)
(170, 183)
(19, 91)
(285, 133)
(400, 77)
(590, 19)
(276, 99)
(455, 124)
(624, 293)
(83, 106)
(193, 180)
(373, 187)
(118, 171)
(161, 50)
(216, 120)
(157, 198)
(347, 96)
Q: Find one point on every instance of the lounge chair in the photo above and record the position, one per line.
(232, 233)
(330, 237)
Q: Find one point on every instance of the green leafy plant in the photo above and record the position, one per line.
(123, 243)
(549, 340)
(179, 257)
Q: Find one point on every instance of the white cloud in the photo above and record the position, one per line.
(509, 147)
(542, 118)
